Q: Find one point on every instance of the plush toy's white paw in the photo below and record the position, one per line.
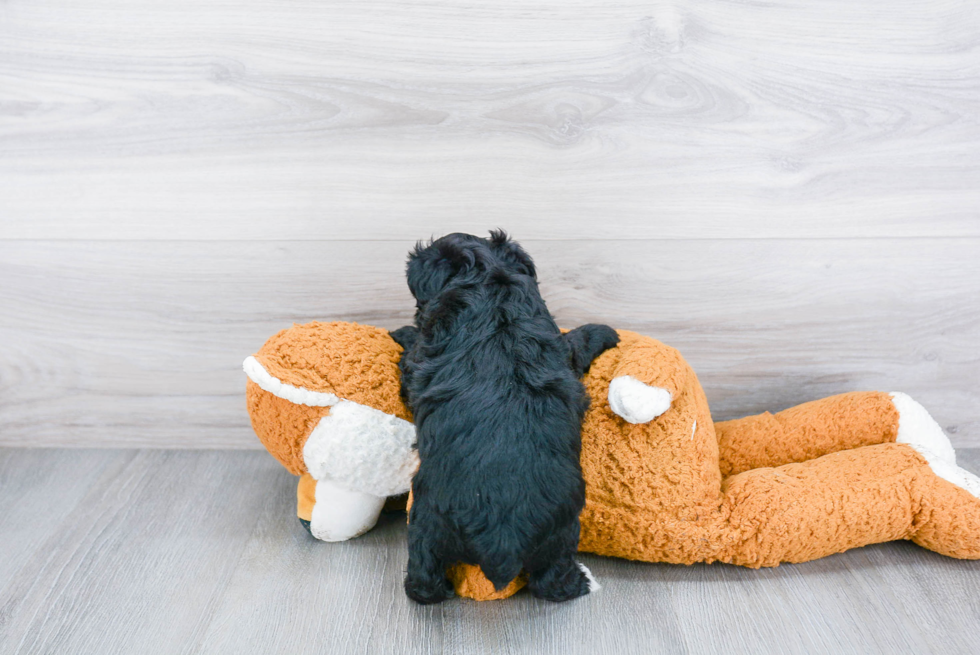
(960, 477)
(340, 514)
(635, 401)
(920, 431)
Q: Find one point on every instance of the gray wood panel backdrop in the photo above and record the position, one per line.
(788, 192)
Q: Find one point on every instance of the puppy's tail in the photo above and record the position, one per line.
(501, 568)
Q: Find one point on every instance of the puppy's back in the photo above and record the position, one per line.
(499, 414)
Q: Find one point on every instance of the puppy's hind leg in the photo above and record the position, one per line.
(553, 573)
(426, 580)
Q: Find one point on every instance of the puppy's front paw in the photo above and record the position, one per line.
(635, 401)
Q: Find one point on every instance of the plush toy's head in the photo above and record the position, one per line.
(324, 399)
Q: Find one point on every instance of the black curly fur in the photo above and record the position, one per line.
(498, 405)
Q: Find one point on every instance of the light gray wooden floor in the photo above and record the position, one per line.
(149, 551)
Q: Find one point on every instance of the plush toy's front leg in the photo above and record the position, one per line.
(305, 500)
(333, 513)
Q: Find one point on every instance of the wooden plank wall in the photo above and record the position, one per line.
(790, 192)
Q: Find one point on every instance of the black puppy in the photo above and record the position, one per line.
(498, 405)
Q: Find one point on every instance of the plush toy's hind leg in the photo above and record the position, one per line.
(799, 512)
(949, 522)
(807, 431)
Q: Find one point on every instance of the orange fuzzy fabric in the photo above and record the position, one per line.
(806, 431)
(354, 362)
(804, 483)
(305, 497)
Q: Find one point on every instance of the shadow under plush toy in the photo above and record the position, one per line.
(663, 482)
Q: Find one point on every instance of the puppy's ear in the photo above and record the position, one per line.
(512, 253)
(431, 266)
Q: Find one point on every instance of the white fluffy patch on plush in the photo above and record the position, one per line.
(953, 473)
(257, 374)
(340, 514)
(635, 401)
(594, 585)
(919, 430)
(362, 449)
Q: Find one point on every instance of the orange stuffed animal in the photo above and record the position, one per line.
(663, 482)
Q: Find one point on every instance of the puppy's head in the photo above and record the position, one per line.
(459, 259)
(510, 253)
(455, 257)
